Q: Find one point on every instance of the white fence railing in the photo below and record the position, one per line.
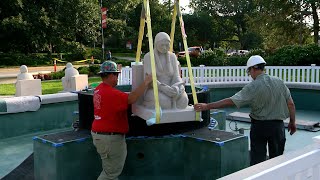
(211, 74)
(303, 166)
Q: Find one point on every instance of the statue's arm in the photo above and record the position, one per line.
(176, 81)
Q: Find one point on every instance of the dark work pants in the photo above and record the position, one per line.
(263, 133)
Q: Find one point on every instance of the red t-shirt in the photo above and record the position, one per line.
(110, 110)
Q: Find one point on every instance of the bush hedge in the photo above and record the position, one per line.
(17, 59)
(294, 55)
(123, 62)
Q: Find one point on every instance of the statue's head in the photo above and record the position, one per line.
(162, 42)
(23, 69)
(69, 65)
(70, 71)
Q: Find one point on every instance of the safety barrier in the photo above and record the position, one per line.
(212, 74)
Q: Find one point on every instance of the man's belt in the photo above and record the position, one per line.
(108, 133)
(259, 121)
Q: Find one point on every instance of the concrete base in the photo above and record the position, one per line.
(199, 154)
(28, 87)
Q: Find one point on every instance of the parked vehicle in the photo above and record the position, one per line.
(238, 52)
(194, 51)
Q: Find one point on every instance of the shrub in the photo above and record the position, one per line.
(94, 70)
(284, 56)
(260, 52)
(214, 57)
(123, 62)
(75, 51)
(183, 61)
(17, 59)
(313, 54)
(236, 61)
(83, 70)
(97, 61)
(91, 70)
(295, 55)
(96, 53)
(57, 75)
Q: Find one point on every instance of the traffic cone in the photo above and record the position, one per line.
(55, 65)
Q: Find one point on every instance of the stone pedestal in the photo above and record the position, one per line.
(77, 83)
(200, 154)
(30, 87)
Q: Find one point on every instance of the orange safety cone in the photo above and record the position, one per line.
(55, 66)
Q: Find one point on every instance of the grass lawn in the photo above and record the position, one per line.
(48, 87)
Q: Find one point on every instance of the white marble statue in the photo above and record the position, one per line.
(172, 93)
(26, 85)
(70, 72)
(24, 74)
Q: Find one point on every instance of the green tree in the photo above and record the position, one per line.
(13, 29)
(231, 15)
(46, 25)
(160, 21)
(279, 23)
(310, 9)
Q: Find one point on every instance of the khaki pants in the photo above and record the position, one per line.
(113, 153)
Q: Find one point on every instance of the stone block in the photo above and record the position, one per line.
(30, 87)
(79, 82)
(75, 83)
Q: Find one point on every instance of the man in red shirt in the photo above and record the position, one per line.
(110, 120)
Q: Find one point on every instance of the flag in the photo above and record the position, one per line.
(104, 17)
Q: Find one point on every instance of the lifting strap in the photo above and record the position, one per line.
(184, 38)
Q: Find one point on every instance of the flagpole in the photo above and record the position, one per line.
(102, 37)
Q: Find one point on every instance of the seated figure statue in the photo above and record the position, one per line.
(26, 85)
(70, 71)
(24, 74)
(171, 89)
